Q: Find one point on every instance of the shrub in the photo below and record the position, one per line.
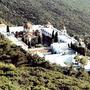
(7, 67)
(81, 59)
(40, 88)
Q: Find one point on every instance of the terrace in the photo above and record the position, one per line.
(55, 52)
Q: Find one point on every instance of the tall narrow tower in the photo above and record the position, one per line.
(49, 25)
(64, 31)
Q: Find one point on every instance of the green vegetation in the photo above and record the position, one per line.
(38, 78)
(82, 5)
(21, 71)
(75, 13)
(82, 60)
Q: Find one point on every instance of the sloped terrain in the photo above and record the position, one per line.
(82, 5)
(55, 11)
(37, 78)
(18, 69)
(21, 71)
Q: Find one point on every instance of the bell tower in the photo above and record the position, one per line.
(64, 31)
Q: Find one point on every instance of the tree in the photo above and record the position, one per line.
(40, 88)
(39, 39)
(53, 36)
(77, 58)
(56, 37)
(8, 30)
(82, 60)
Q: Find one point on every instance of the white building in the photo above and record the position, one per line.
(62, 60)
(61, 48)
(64, 55)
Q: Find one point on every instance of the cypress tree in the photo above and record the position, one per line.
(56, 37)
(52, 34)
(8, 29)
(52, 38)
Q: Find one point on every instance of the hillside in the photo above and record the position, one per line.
(20, 71)
(82, 5)
(37, 78)
(72, 13)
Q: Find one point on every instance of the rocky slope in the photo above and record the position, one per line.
(76, 19)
